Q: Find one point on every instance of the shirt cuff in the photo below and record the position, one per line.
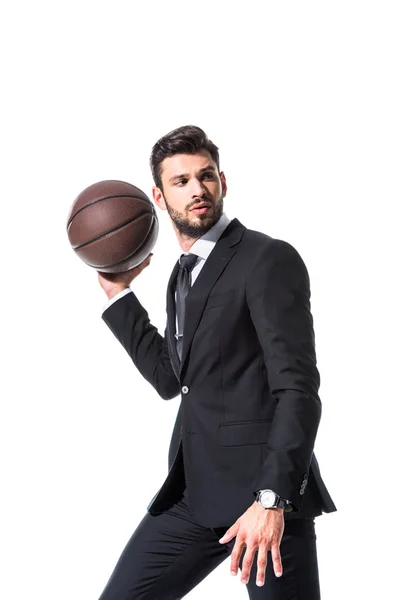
(116, 297)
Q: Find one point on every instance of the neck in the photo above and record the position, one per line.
(185, 241)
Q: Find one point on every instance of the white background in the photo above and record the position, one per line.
(302, 99)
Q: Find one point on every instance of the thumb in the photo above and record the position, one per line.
(145, 263)
(229, 534)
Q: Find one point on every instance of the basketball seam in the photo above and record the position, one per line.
(107, 198)
(129, 255)
(111, 231)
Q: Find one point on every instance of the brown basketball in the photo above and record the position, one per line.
(112, 226)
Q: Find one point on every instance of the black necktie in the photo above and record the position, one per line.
(187, 262)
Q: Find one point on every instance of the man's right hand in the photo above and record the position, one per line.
(114, 283)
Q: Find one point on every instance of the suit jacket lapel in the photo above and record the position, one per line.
(197, 297)
(215, 264)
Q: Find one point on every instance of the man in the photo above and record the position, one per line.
(239, 348)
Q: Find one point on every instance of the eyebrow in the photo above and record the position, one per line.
(186, 175)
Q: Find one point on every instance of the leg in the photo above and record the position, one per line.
(166, 557)
(300, 579)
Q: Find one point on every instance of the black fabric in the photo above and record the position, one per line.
(247, 420)
(248, 380)
(183, 283)
(170, 554)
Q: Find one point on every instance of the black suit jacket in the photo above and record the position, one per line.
(248, 380)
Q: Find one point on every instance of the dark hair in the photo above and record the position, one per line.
(188, 139)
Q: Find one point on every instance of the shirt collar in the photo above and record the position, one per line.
(204, 245)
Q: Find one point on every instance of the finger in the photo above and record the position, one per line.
(229, 534)
(262, 560)
(135, 271)
(235, 556)
(276, 559)
(146, 262)
(247, 562)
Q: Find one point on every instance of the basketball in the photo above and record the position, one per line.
(112, 226)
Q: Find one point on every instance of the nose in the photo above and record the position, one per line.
(197, 188)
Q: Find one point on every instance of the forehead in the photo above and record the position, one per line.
(186, 164)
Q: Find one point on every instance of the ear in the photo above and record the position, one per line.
(223, 183)
(158, 197)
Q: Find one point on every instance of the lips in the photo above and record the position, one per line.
(202, 205)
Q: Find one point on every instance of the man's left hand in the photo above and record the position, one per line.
(258, 529)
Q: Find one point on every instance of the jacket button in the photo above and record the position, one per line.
(185, 389)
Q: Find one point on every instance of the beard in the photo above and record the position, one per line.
(195, 230)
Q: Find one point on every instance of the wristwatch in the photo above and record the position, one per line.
(268, 499)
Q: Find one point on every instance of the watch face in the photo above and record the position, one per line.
(267, 499)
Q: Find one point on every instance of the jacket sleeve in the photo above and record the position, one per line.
(278, 295)
(130, 324)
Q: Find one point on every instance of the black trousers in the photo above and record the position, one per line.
(169, 554)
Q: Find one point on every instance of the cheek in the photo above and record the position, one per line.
(177, 201)
(215, 188)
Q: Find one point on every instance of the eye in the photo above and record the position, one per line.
(181, 181)
(208, 175)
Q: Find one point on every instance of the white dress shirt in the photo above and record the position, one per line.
(202, 247)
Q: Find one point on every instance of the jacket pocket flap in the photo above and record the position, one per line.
(241, 433)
